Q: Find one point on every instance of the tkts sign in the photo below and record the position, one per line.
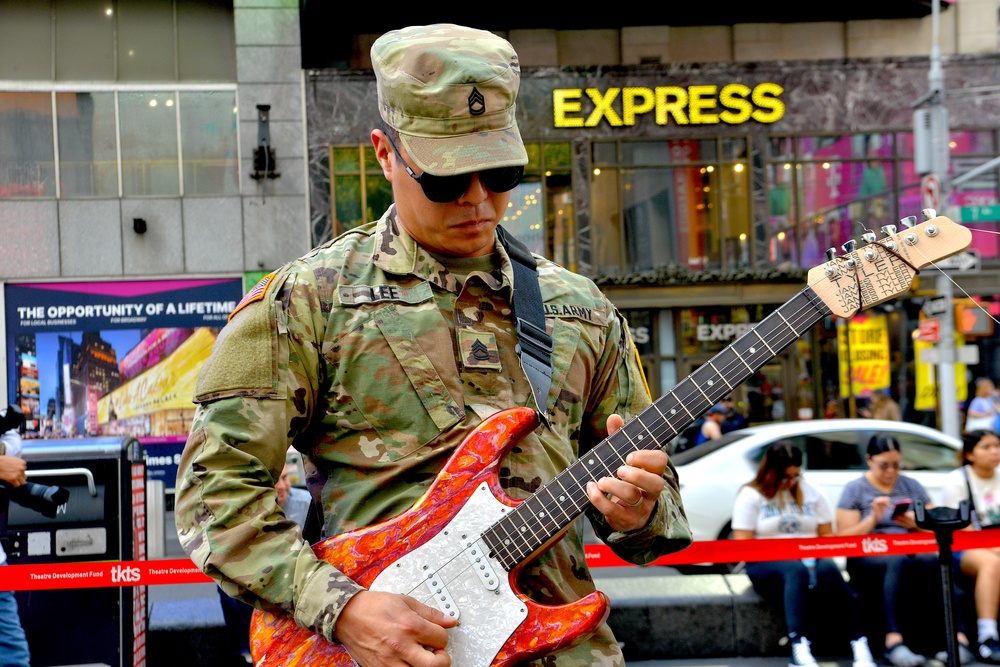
(733, 104)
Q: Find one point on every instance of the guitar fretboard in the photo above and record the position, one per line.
(557, 504)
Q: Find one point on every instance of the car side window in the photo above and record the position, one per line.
(922, 454)
(835, 450)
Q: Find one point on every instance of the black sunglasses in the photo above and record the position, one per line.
(446, 189)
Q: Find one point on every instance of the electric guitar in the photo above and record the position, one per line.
(462, 546)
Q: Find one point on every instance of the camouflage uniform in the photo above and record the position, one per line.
(375, 360)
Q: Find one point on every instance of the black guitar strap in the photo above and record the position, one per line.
(534, 347)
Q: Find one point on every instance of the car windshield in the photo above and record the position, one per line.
(695, 453)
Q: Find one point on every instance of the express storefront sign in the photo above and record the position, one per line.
(731, 104)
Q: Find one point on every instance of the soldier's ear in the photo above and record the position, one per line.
(383, 153)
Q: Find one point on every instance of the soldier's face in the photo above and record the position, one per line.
(462, 228)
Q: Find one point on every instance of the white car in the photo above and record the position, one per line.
(833, 450)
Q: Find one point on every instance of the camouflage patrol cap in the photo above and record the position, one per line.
(450, 91)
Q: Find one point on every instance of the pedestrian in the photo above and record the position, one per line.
(734, 419)
(14, 651)
(879, 502)
(711, 428)
(780, 503)
(983, 410)
(976, 481)
(881, 406)
(376, 354)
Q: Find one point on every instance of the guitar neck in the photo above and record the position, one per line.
(557, 504)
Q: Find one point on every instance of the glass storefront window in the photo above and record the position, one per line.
(208, 135)
(605, 227)
(524, 215)
(149, 143)
(27, 153)
(88, 149)
(696, 217)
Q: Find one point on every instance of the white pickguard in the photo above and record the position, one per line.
(487, 618)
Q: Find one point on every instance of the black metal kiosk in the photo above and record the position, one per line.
(103, 520)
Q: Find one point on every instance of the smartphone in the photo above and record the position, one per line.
(901, 508)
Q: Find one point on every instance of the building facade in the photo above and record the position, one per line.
(697, 172)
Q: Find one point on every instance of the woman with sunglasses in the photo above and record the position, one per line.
(879, 502)
(779, 503)
(977, 481)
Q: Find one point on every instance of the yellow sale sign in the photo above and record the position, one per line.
(926, 397)
(863, 347)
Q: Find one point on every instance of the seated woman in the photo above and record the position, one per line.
(779, 503)
(879, 502)
(978, 482)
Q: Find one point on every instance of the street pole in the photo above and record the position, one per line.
(947, 392)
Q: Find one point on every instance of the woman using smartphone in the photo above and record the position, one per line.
(779, 503)
(867, 506)
(976, 481)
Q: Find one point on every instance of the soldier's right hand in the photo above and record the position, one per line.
(391, 630)
(12, 470)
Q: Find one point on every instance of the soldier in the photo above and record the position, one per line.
(377, 353)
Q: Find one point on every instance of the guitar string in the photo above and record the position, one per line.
(581, 502)
(579, 497)
(577, 494)
(960, 288)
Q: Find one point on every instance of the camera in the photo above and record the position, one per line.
(42, 498)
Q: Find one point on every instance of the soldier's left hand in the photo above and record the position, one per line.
(627, 499)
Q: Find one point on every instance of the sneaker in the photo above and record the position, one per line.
(862, 654)
(989, 651)
(900, 656)
(965, 655)
(801, 655)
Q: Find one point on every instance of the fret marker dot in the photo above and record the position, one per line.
(753, 350)
(590, 462)
(673, 411)
(711, 382)
(541, 515)
(562, 498)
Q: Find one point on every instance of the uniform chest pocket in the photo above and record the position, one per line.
(393, 383)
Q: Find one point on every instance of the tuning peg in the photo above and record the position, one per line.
(928, 213)
(850, 246)
(869, 236)
(889, 230)
(908, 221)
(831, 253)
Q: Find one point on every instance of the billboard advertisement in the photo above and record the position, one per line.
(114, 358)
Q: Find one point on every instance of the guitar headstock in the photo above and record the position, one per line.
(885, 267)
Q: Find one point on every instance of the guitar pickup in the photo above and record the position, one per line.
(481, 565)
(441, 596)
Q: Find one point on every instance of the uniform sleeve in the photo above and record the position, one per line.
(746, 509)
(256, 394)
(954, 489)
(621, 389)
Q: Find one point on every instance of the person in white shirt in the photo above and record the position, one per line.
(13, 644)
(976, 481)
(779, 503)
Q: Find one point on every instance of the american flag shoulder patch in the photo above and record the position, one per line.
(255, 294)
